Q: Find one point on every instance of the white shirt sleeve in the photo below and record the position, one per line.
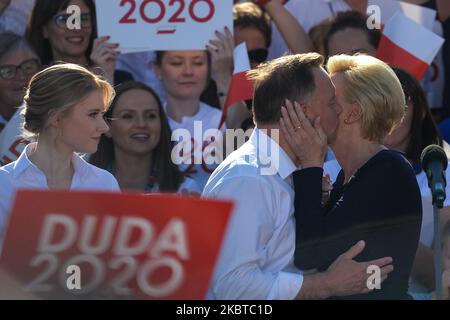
(114, 185)
(241, 272)
(108, 181)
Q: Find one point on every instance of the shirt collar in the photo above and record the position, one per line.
(262, 143)
(23, 162)
(201, 111)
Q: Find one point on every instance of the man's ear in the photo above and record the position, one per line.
(354, 114)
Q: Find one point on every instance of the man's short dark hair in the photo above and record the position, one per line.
(288, 77)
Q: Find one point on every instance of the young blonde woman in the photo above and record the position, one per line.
(64, 108)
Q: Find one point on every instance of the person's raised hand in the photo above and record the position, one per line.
(221, 50)
(104, 55)
(308, 141)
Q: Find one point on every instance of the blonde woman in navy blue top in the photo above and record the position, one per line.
(375, 197)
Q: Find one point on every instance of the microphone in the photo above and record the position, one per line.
(434, 162)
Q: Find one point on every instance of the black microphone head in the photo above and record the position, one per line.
(433, 153)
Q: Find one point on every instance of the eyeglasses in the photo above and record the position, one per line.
(258, 55)
(28, 67)
(61, 20)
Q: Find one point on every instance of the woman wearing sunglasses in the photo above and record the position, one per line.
(18, 63)
(50, 34)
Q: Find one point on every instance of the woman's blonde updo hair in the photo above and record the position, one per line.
(57, 88)
(372, 84)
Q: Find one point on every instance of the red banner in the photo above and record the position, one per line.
(114, 246)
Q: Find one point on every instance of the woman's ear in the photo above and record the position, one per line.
(354, 114)
(54, 120)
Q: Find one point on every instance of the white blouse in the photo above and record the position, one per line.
(23, 174)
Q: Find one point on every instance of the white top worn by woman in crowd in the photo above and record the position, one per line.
(64, 108)
(137, 148)
(18, 63)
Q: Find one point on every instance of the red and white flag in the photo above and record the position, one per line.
(241, 88)
(408, 45)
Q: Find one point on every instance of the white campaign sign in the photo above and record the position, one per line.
(143, 25)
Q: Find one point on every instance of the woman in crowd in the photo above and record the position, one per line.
(18, 63)
(348, 34)
(417, 131)
(49, 33)
(375, 197)
(137, 148)
(64, 108)
(194, 124)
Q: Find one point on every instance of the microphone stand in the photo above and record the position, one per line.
(437, 253)
(438, 202)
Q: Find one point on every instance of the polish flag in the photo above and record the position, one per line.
(241, 88)
(408, 45)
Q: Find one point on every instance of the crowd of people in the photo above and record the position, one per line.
(348, 129)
